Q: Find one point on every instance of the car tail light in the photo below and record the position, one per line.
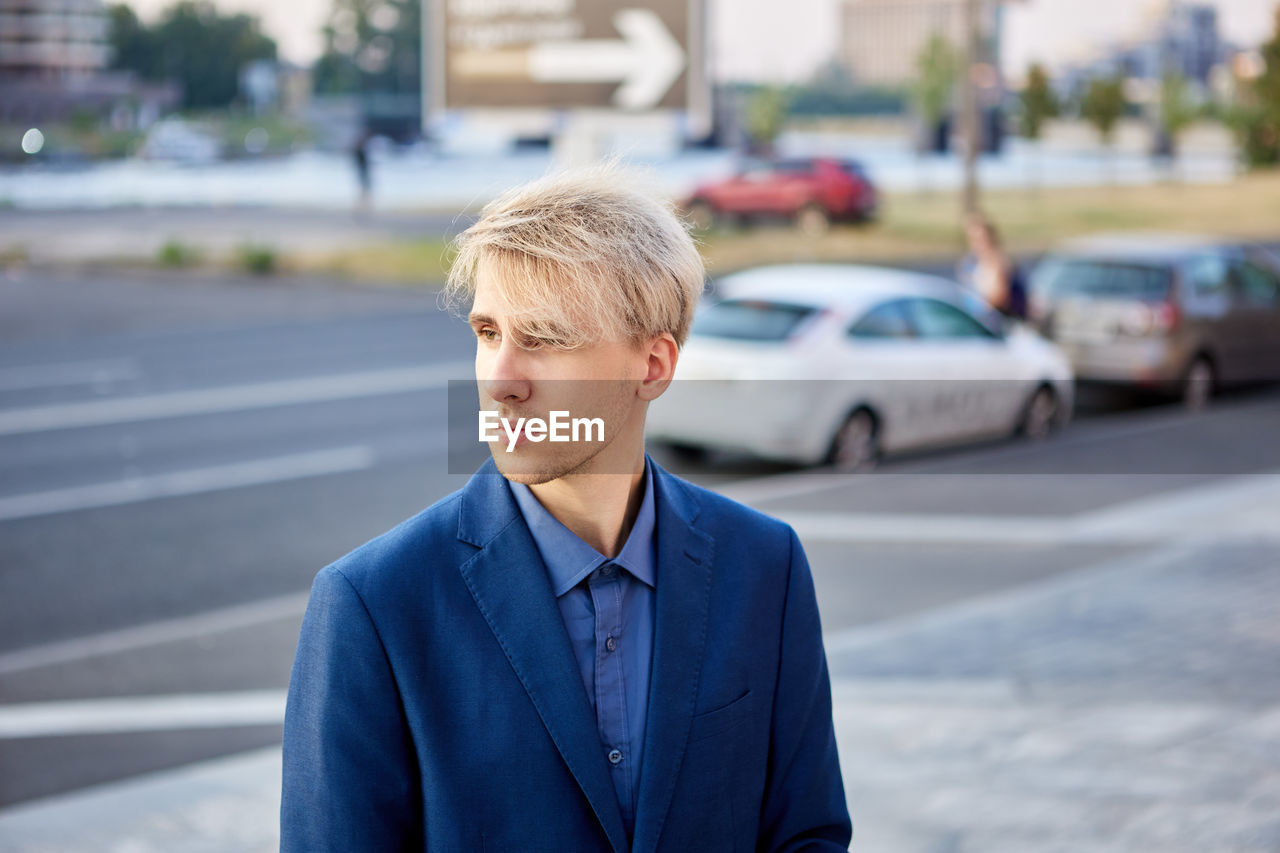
(1167, 316)
(1143, 319)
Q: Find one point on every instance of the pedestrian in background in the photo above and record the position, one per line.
(989, 271)
(360, 155)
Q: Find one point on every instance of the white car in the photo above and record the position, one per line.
(837, 364)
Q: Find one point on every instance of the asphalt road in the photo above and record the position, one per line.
(179, 456)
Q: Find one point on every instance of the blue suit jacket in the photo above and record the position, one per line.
(436, 704)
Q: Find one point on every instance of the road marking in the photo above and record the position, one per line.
(234, 618)
(194, 481)
(142, 714)
(1243, 507)
(68, 373)
(232, 398)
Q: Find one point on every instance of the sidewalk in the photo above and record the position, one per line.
(1132, 706)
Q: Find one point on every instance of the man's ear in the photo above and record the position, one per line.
(660, 364)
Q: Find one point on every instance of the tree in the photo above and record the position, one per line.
(1103, 104)
(134, 47)
(1177, 111)
(1038, 102)
(937, 67)
(1257, 119)
(371, 46)
(193, 44)
(764, 115)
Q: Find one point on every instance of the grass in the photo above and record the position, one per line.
(924, 226)
(914, 226)
(422, 262)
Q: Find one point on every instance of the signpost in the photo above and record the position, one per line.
(575, 62)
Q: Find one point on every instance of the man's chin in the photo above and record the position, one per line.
(532, 468)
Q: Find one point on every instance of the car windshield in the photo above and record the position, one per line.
(750, 320)
(1085, 277)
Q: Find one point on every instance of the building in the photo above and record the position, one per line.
(53, 60)
(52, 39)
(880, 40)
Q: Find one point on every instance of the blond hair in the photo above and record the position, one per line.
(583, 256)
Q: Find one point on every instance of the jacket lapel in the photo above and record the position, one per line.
(509, 583)
(684, 557)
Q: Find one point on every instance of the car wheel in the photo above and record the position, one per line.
(856, 444)
(1041, 414)
(1198, 384)
(813, 220)
(702, 216)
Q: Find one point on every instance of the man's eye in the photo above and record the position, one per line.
(488, 335)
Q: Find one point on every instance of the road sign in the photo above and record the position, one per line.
(629, 55)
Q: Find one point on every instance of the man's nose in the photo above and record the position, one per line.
(507, 380)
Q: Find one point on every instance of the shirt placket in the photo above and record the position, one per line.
(611, 704)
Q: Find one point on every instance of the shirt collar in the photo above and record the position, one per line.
(569, 559)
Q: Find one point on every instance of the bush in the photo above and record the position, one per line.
(259, 260)
(175, 253)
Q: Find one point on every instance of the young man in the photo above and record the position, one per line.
(577, 651)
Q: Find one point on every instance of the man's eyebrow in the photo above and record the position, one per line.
(480, 319)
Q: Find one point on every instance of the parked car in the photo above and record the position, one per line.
(813, 192)
(838, 364)
(1172, 313)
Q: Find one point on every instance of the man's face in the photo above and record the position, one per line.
(518, 377)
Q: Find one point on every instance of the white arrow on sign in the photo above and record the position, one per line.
(647, 60)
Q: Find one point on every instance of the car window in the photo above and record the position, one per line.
(793, 167)
(1088, 277)
(888, 320)
(1256, 285)
(750, 320)
(1207, 274)
(935, 320)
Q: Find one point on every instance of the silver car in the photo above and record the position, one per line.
(1165, 312)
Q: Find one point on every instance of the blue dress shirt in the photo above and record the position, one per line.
(608, 610)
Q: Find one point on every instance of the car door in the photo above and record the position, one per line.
(742, 193)
(881, 363)
(1258, 293)
(973, 387)
(1212, 319)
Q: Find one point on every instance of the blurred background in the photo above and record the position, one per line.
(1014, 262)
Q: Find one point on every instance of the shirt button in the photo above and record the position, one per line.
(614, 756)
(611, 644)
(607, 571)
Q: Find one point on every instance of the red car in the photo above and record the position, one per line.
(812, 192)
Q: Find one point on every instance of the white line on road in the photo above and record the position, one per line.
(142, 714)
(1244, 506)
(68, 373)
(233, 398)
(234, 618)
(195, 481)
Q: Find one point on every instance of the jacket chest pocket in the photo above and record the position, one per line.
(720, 720)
